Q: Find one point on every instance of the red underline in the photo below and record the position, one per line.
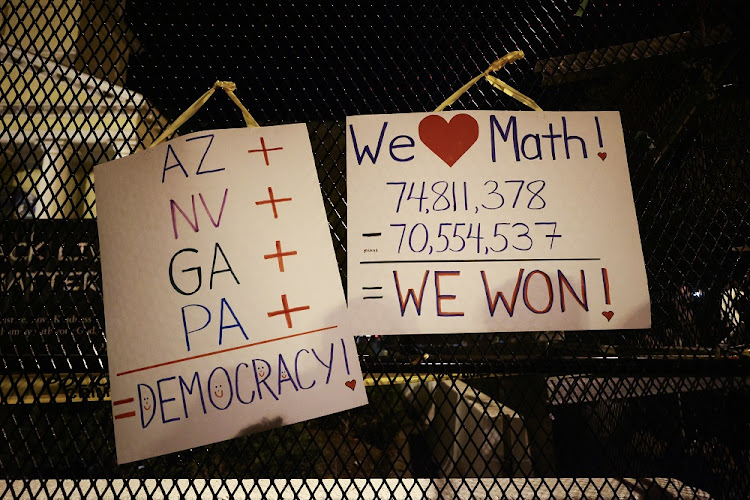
(223, 351)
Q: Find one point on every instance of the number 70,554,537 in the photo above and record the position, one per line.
(462, 236)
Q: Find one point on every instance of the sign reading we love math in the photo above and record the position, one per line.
(224, 309)
(492, 221)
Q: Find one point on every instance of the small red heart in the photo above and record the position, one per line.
(449, 140)
(603, 156)
(608, 315)
(351, 384)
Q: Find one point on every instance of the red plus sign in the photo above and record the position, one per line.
(279, 255)
(273, 201)
(264, 150)
(286, 311)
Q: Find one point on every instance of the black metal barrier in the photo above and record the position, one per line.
(571, 413)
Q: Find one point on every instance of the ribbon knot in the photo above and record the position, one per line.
(229, 88)
(226, 86)
(508, 58)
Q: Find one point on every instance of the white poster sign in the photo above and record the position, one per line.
(490, 221)
(224, 309)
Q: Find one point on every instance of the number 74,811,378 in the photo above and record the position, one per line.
(462, 236)
(440, 196)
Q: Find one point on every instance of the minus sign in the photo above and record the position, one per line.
(369, 235)
(373, 297)
(372, 288)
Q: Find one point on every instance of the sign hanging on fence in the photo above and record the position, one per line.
(490, 221)
(223, 305)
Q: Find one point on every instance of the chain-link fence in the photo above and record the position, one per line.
(661, 412)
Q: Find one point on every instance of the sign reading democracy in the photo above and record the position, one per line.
(224, 309)
(490, 221)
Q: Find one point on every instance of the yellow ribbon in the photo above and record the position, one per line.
(511, 57)
(229, 88)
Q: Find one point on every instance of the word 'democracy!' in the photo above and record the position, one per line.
(224, 310)
(489, 221)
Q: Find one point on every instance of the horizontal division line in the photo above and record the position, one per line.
(174, 361)
(472, 260)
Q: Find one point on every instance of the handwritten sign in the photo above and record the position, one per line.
(492, 221)
(223, 306)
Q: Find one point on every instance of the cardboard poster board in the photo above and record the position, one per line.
(490, 221)
(224, 311)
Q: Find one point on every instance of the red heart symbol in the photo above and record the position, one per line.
(603, 156)
(449, 140)
(351, 384)
(608, 315)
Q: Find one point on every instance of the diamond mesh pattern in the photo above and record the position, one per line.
(86, 81)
